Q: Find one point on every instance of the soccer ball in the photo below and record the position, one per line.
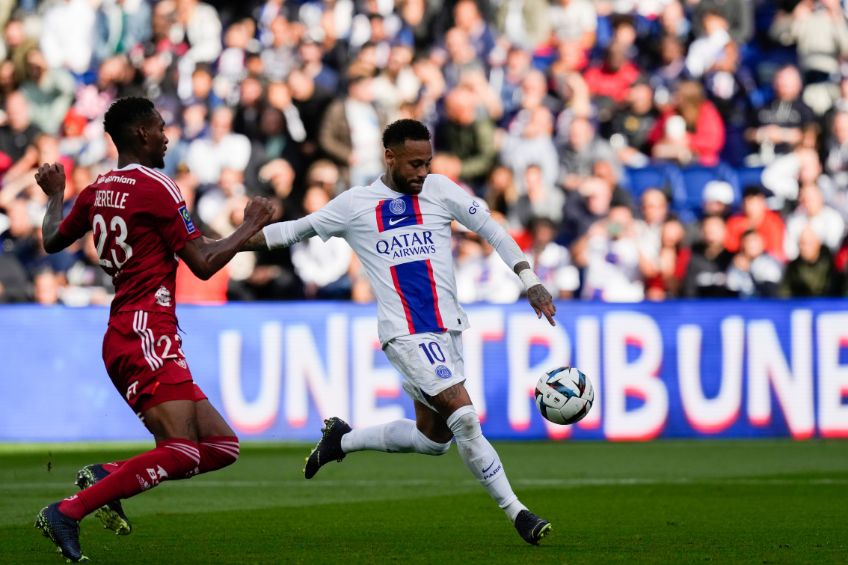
(564, 395)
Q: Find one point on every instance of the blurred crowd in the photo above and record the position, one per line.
(647, 149)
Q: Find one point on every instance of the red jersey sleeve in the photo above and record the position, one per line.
(77, 223)
(172, 215)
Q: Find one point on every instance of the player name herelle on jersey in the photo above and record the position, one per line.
(111, 199)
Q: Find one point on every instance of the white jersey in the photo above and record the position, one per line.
(404, 243)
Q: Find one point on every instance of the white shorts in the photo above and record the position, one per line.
(429, 363)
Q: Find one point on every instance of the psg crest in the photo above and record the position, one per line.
(397, 206)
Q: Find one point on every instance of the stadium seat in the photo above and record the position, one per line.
(656, 175)
(695, 178)
(638, 180)
(746, 176)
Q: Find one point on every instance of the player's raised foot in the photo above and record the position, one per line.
(329, 447)
(61, 530)
(531, 527)
(111, 515)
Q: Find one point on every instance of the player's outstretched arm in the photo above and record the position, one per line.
(205, 256)
(539, 297)
(51, 178)
(280, 234)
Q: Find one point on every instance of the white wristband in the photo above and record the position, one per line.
(528, 278)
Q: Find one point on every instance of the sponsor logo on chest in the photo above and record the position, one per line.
(407, 245)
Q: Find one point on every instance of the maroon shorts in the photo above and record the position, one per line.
(141, 351)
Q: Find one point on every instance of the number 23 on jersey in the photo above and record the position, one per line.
(119, 251)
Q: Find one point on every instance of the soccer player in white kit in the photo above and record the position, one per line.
(400, 227)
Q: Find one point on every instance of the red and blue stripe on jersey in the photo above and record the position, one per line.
(413, 281)
(416, 287)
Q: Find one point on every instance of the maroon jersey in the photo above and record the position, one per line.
(139, 221)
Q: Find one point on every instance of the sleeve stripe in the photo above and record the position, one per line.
(171, 188)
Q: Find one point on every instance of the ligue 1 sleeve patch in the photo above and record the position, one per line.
(186, 216)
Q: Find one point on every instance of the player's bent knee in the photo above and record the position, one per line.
(183, 459)
(427, 446)
(218, 452)
(465, 424)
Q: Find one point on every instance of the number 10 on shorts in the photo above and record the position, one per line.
(433, 351)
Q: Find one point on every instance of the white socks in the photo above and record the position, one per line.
(482, 459)
(400, 436)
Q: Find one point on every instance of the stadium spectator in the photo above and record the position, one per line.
(753, 272)
(461, 57)
(574, 20)
(87, 283)
(812, 273)
(202, 91)
(466, 133)
(730, 87)
(278, 59)
(276, 179)
(611, 78)
(248, 109)
(756, 215)
(552, 261)
(397, 85)
(17, 136)
(584, 207)
(612, 259)
(67, 35)
(17, 43)
(47, 287)
(565, 75)
(221, 148)
(50, 92)
(537, 197)
(481, 275)
(467, 17)
(820, 33)
(507, 80)
(813, 213)
(836, 149)
(196, 25)
(671, 70)
(706, 50)
(779, 126)
(632, 124)
(670, 268)
(706, 272)
(649, 233)
(14, 280)
(529, 135)
(578, 156)
(502, 196)
(523, 23)
(739, 15)
(691, 131)
(350, 130)
(322, 266)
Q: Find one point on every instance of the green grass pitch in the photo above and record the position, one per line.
(770, 501)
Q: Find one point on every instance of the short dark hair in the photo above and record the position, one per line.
(398, 132)
(125, 114)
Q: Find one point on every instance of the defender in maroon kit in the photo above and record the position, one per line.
(141, 225)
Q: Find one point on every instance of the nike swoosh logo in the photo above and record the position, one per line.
(395, 221)
(486, 470)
